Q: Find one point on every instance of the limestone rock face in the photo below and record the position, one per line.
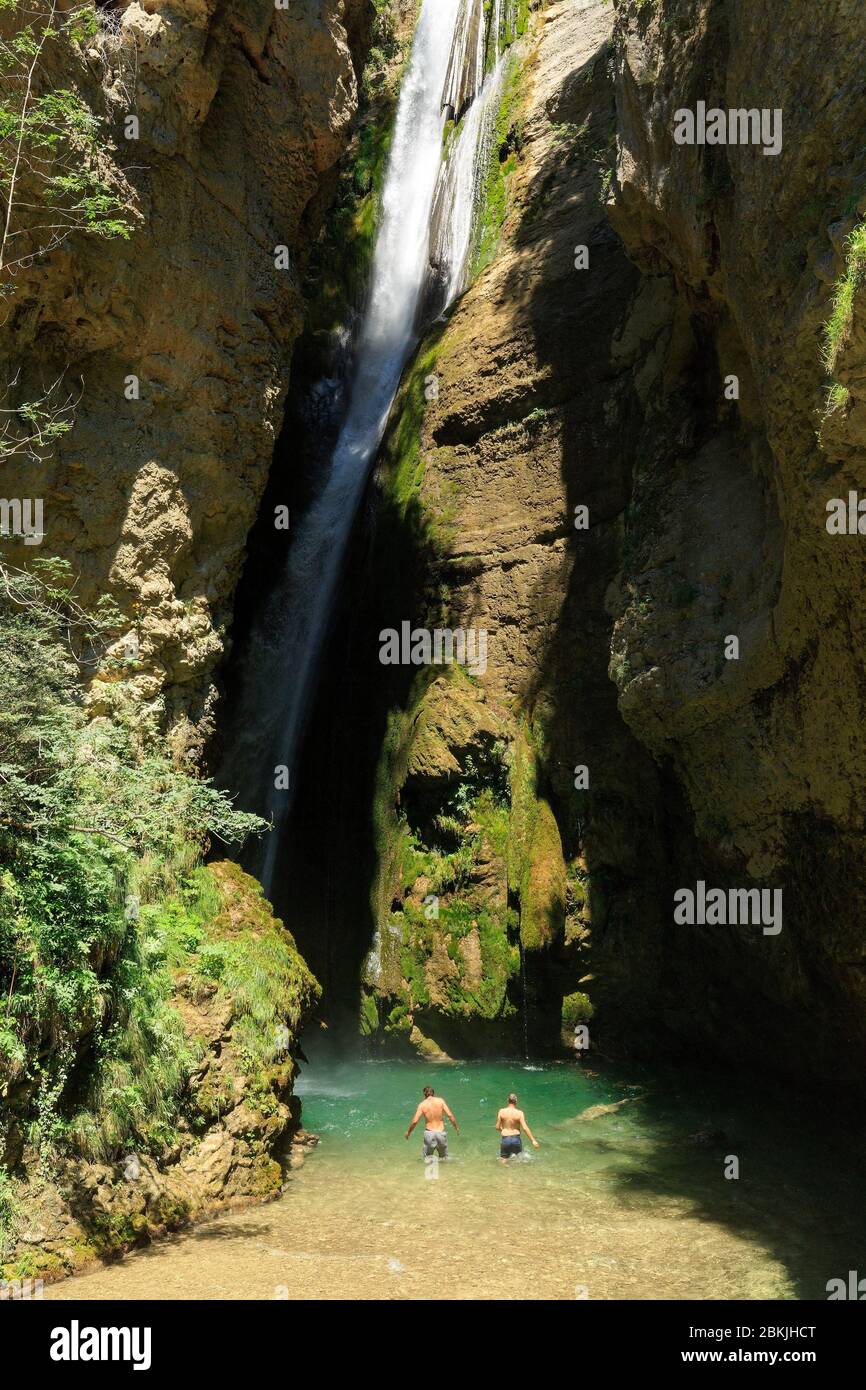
(725, 531)
(646, 344)
(528, 423)
(243, 111)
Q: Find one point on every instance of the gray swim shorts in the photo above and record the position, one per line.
(435, 1142)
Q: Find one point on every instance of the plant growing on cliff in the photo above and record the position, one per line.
(839, 322)
(31, 428)
(84, 801)
(52, 183)
(52, 166)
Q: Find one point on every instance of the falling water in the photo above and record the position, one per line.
(279, 676)
(525, 1008)
(459, 188)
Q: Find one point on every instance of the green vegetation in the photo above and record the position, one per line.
(535, 866)
(620, 669)
(402, 458)
(51, 179)
(443, 944)
(52, 183)
(504, 148)
(516, 20)
(340, 264)
(838, 325)
(100, 833)
(422, 526)
(839, 322)
(836, 397)
(471, 866)
(576, 1008)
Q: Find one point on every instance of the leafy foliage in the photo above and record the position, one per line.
(52, 174)
(95, 815)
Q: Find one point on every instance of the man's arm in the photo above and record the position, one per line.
(415, 1118)
(527, 1131)
(499, 1120)
(451, 1118)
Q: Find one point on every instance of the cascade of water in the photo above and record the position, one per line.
(524, 1003)
(460, 186)
(465, 75)
(278, 678)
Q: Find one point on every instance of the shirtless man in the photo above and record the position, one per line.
(433, 1108)
(510, 1121)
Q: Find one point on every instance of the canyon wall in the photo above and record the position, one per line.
(244, 110)
(726, 533)
(604, 381)
(161, 354)
(621, 282)
(507, 903)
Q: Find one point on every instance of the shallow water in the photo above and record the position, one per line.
(624, 1205)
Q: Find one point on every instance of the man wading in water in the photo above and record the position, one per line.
(510, 1121)
(433, 1108)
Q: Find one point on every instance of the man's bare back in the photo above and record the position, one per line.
(434, 1111)
(509, 1120)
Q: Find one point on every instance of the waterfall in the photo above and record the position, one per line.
(465, 74)
(459, 187)
(278, 682)
(524, 1003)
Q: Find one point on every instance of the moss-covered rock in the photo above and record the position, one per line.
(542, 889)
(241, 994)
(471, 876)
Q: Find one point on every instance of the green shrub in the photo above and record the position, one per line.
(576, 1008)
(95, 818)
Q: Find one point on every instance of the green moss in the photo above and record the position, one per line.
(457, 958)
(219, 929)
(517, 20)
(369, 1019)
(493, 817)
(340, 264)
(428, 523)
(838, 326)
(339, 268)
(460, 960)
(536, 867)
(413, 962)
(524, 803)
(507, 138)
(499, 964)
(542, 888)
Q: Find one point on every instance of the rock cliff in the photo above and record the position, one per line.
(229, 1135)
(613, 456)
(649, 342)
(243, 111)
(743, 256)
